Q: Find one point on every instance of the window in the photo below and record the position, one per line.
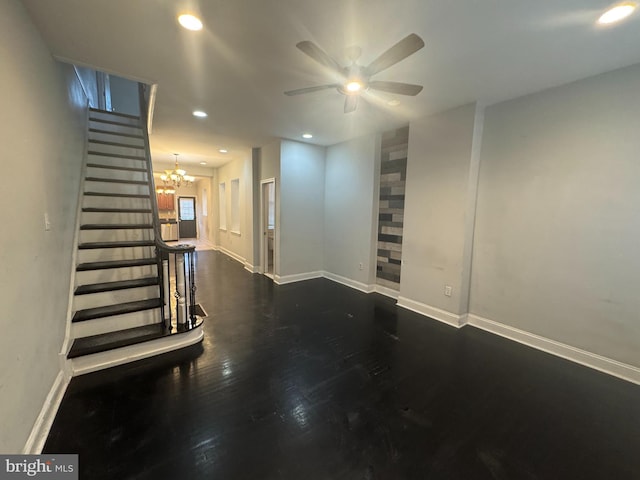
(235, 205)
(204, 202)
(223, 207)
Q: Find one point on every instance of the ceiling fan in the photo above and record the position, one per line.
(355, 78)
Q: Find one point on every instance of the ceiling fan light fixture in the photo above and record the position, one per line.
(353, 86)
(617, 13)
(190, 22)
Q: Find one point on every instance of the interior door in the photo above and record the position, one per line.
(268, 227)
(187, 217)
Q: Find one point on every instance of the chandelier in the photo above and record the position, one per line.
(176, 178)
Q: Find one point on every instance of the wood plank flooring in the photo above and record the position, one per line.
(315, 380)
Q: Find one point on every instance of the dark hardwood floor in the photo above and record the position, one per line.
(318, 381)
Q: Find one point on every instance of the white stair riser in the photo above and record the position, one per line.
(114, 274)
(114, 118)
(116, 174)
(81, 302)
(108, 254)
(115, 217)
(91, 201)
(108, 137)
(108, 187)
(137, 162)
(115, 128)
(115, 235)
(115, 149)
(115, 323)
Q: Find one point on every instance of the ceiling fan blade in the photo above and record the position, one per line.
(401, 50)
(350, 103)
(318, 88)
(319, 55)
(396, 87)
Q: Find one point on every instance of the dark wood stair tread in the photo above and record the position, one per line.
(117, 180)
(119, 195)
(117, 309)
(116, 210)
(120, 134)
(119, 285)
(112, 340)
(116, 144)
(117, 155)
(120, 244)
(116, 226)
(116, 167)
(137, 262)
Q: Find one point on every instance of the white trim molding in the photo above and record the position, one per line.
(443, 316)
(231, 254)
(251, 268)
(588, 359)
(42, 425)
(297, 277)
(363, 287)
(386, 291)
(132, 353)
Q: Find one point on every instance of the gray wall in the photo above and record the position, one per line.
(301, 208)
(42, 117)
(89, 83)
(124, 95)
(349, 227)
(436, 206)
(558, 222)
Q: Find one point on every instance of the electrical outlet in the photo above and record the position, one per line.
(360, 266)
(47, 222)
(448, 290)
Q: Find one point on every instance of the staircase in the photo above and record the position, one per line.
(118, 304)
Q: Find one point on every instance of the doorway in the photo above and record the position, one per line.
(187, 217)
(268, 226)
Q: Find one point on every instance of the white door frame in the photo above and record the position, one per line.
(264, 240)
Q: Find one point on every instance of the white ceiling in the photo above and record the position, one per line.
(238, 67)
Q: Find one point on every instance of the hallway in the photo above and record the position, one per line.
(314, 380)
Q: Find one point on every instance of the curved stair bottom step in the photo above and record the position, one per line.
(131, 353)
(99, 326)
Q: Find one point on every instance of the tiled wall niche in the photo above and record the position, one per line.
(393, 174)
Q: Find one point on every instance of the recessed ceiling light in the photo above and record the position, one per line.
(223, 150)
(203, 163)
(307, 135)
(190, 22)
(393, 103)
(617, 13)
(199, 114)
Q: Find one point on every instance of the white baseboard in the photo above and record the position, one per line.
(43, 422)
(443, 316)
(231, 254)
(298, 277)
(363, 287)
(132, 353)
(588, 359)
(386, 291)
(251, 268)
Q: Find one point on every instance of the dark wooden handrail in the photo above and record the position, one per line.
(152, 186)
(164, 251)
